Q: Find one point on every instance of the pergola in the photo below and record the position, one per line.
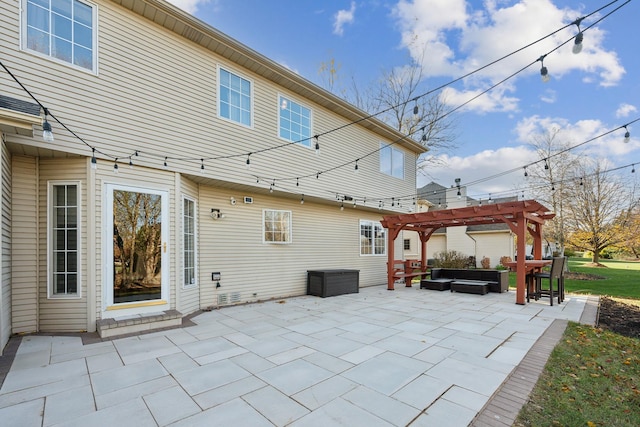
(521, 217)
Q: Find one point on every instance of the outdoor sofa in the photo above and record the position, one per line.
(441, 279)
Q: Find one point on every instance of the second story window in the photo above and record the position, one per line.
(234, 97)
(391, 161)
(295, 122)
(62, 29)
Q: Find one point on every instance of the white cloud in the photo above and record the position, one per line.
(584, 132)
(549, 96)
(492, 101)
(487, 163)
(452, 39)
(343, 17)
(624, 110)
(190, 6)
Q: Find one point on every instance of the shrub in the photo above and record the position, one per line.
(450, 259)
(486, 262)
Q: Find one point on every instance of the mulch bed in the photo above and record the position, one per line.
(619, 317)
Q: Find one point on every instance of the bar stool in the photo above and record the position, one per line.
(555, 274)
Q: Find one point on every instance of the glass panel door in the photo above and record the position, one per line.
(138, 246)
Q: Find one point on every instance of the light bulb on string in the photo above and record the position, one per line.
(94, 162)
(115, 166)
(627, 135)
(546, 164)
(544, 73)
(317, 147)
(356, 166)
(525, 172)
(297, 182)
(166, 166)
(248, 162)
(633, 168)
(130, 163)
(577, 41)
(302, 199)
(47, 132)
(202, 166)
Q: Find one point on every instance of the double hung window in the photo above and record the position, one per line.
(188, 242)
(373, 238)
(277, 226)
(62, 29)
(295, 122)
(64, 235)
(234, 97)
(391, 161)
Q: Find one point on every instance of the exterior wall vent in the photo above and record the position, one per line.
(248, 199)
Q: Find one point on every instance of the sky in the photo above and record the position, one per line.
(589, 93)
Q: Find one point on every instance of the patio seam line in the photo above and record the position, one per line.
(513, 388)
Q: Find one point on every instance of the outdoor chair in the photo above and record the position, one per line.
(555, 275)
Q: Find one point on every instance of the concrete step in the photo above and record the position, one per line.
(139, 323)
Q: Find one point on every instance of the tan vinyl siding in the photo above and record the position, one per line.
(188, 299)
(5, 284)
(323, 237)
(157, 93)
(62, 313)
(24, 244)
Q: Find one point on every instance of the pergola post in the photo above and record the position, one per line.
(391, 238)
(521, 273)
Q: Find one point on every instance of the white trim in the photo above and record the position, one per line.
(94, 39)
(109, 308)
(50, 259)
(238, 74)
(268, 242)
(373, 225)
(311, 133)
(195, 242)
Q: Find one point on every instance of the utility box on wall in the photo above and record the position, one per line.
(328, 283)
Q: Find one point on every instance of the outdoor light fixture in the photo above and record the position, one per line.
(356, 167)
(627, 135)
(94, 162)
(248, 161)
(577, 41)
(202, 166)
(115, 166)
(544, 73)
(216, 214)
(47, 133)
(317, 144)
(302, 199)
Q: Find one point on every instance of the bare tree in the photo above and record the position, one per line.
(399, 98)
(549, 180)
(600, 206)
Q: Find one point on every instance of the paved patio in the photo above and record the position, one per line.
(376, 358)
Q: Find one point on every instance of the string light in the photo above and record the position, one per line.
(356, 166)
(302, 199)
(130, 163)
(627, 135)
(544, 73)
(633, 168)
(94, 162)
(165, 163)
(317, 137)
(297, 182)
(342, 206)
(249, 160)
(202, 166)
(577, 42)
(525, 172)
(115, 166)
(546, 164)
(47, 133)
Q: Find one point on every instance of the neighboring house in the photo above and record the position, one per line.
(492, 240)
(188, 226)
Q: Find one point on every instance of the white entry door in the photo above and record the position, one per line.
(137, 256)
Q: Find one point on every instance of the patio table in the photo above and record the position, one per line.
(531, 266)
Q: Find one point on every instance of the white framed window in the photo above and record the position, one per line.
(63, 199)
(391, 161)
(189, 254)
(276, 226)
(407, 244)
(373, 238)
(235, 97)
(294, 121)
(65, 30)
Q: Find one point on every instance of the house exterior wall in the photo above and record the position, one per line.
(5, 246)
(154, 99)
(494, 245)
(24, 244)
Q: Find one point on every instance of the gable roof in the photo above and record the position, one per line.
(17, 116)
(187, 26)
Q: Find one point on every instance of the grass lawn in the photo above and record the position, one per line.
(592, 378)
(619, 278)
